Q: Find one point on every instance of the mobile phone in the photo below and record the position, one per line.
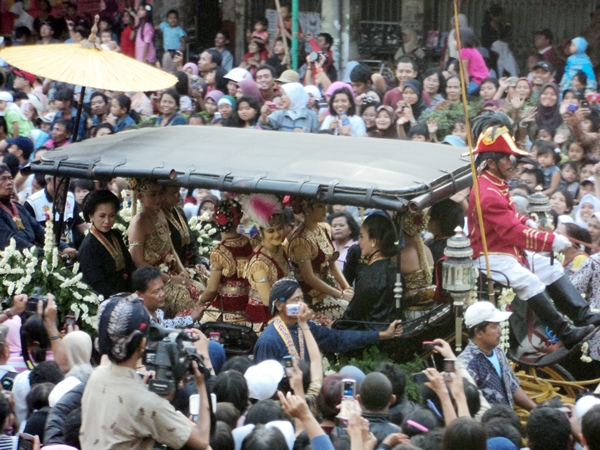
(70, 320)
(25, 441)
(213, 401)
(448, 369)
(419, 378)
(272, 106)
(215, 336)
(348, 387)
(289, 364)
(512, 81)
(292, 309)
(194, 406)
(218, 115)
(585, 104)
(572, 108)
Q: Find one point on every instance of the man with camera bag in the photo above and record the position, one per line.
(118, 412)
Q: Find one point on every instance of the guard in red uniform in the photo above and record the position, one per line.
(514, 243)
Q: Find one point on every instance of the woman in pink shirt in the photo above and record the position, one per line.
(473, 63)
(144, 45)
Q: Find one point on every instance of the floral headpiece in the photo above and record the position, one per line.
(138, 184)
(415, 223)
(261, 208)
(227, 215)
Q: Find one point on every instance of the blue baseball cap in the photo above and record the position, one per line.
(25, 144)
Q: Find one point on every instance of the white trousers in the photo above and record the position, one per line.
(525, 282)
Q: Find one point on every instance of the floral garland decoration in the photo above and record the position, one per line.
(23, 271)
(504, 304)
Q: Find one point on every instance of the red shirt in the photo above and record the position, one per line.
(127, 45)
(505, 229)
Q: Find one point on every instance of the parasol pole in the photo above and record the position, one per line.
(92, 39)
(78, 117)
(283, 35)
(472, 157)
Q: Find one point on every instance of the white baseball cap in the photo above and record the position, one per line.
(238, 74)
(484, 311)
(263, 379)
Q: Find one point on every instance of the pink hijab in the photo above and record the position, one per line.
(338, 85)
(192, 66)
(250, 89)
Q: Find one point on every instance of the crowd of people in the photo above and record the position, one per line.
(309, 277)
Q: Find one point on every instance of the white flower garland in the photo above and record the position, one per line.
(23, 270)
(504, 301)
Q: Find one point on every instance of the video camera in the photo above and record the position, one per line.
(169, 353)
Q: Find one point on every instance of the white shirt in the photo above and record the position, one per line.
(357, 125)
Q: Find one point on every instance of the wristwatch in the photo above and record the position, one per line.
(9, 313)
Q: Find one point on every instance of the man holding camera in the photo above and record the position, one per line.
(118, 412)
(285, 336)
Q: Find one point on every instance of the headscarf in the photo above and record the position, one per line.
(281, 291)
(227, 215)
(592, 200)
(297, 95)
(227, 99)
(314, 91)
(215, 95)
(250, 89)
(338, 85)
(78, 346)
(548, 117)
(391, 132)
(192, 66)
(417, 87)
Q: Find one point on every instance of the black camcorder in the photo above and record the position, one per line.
(169, 353)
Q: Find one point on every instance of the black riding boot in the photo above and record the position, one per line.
(569, 301)
(570, 336)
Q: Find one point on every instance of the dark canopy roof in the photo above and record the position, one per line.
(355, 171)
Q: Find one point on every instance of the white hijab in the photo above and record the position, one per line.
(298, 99)
(592, 200)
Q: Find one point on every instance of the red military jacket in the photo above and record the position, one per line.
(505, 228)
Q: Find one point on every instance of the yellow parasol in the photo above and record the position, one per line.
(86, 65)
